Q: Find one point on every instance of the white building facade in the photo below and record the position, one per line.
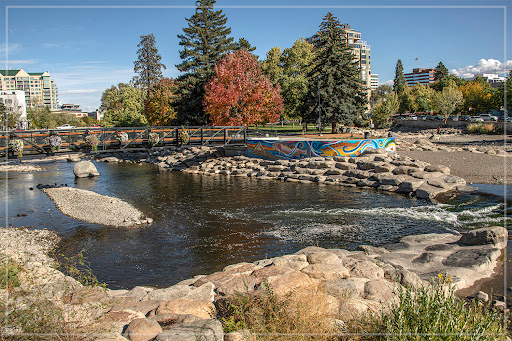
(14, 102)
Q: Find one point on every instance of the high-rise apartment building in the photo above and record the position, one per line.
(422, 76)
(361, 51)
(374, 81)
(39, 88)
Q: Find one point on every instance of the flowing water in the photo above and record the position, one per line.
(203, 223)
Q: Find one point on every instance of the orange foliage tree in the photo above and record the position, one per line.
(239, 94)
(159, 105)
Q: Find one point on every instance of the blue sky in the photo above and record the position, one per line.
(88, 46)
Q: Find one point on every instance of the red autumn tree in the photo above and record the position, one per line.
(239, 94)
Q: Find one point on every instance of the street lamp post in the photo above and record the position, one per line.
(319, 113)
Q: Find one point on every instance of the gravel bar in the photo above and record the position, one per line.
(95, 208)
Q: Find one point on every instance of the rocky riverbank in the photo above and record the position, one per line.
(376, 169)
(348, 282)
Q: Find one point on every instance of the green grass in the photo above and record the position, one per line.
(434, 313)
(9, 271)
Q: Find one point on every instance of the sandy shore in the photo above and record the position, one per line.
(473, 167)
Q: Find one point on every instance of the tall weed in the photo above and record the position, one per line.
(434, 313)
(297, 316)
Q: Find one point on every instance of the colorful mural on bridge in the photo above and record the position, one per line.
(283, 149)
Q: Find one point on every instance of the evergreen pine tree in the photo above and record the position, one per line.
(243, 44)
(205, 41)
(147, 67)
(335, 78)
(399, 83)
(441, 71)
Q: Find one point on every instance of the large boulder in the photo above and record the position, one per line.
(85, 169)
(142, 329)
(203, 309)
(494, 235)
(207, 330)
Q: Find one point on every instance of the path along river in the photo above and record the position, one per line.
(203, 223)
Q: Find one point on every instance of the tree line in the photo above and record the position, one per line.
(447, 95)
(223, 83)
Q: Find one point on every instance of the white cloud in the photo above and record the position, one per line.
(95, 62)
(483, 66)
(389, 82)
(11, 48)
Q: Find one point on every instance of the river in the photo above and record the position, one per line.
(203, 223)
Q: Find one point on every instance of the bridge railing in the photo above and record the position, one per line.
(37, 141)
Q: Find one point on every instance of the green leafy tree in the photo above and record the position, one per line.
(272, 65)
(335, 78)
(148, 68)
(440, 71)
(406, 100)
(479, 97)
(399, 83)
(380, 93)
(123, 106)
(205, 41)
(448, 100)
(89, 121)
(161, 100)
(422, 98)
(385, 109)
(440, 84)
(40, 118)
(9, 116)
(296, 65)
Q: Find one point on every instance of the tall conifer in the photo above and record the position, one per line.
(205, 41)
(147, 67)
(399, 83)
(335, 76)
(441, 71)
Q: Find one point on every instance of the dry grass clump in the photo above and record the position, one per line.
(300, 315)
(482, 128)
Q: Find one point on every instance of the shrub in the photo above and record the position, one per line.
(434, 313)
(482, 128)
(77, 267)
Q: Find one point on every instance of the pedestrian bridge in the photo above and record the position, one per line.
(74, 140)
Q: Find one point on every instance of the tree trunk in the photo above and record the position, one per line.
(334, 127)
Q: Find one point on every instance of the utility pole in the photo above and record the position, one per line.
(319, 113)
